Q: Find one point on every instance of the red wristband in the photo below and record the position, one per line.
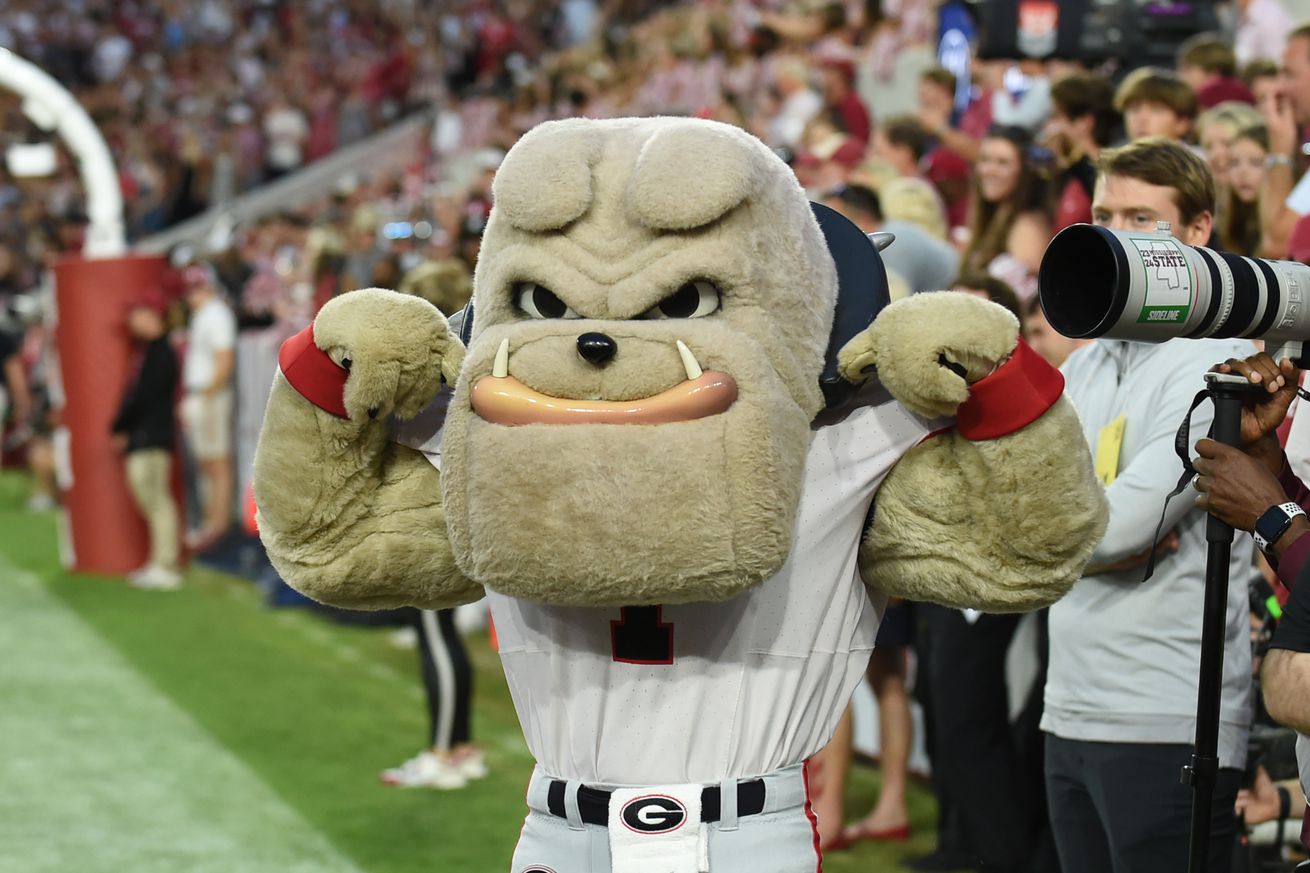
(313, 374)
(1013, 397)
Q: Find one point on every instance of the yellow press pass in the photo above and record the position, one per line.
(1109, 443)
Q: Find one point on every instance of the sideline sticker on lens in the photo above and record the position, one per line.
(1167, 277)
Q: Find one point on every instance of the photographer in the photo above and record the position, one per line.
(1121, 691)
(1254, 489)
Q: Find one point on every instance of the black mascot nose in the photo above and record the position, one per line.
(596, 348)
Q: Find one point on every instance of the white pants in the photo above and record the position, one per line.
(781, 839)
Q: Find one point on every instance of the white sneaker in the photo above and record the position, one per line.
(471, 618)
(425, 770)
(470, 762)
(404, 638)
(41, 503)
(156, 579)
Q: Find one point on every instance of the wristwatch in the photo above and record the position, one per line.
(1274, 523)
(1272, 161)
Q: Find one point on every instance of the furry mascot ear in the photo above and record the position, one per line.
(687, 177)
(545, 182)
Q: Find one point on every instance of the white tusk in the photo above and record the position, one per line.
(689, 361)
(500, 369)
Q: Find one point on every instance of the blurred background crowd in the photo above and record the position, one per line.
(973, 163)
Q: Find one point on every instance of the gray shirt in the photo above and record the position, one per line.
(1303, 763)
(925, 262)
(1125, 654)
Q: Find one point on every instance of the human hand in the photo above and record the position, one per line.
(934, 115)
(1265, 407)
(1235, 487)
(1168, 544)
(1280, 122)
(1260, 802)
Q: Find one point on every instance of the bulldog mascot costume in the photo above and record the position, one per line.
(641, 454)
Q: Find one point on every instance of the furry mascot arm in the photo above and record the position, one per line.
(1002, 512)
(348, 516)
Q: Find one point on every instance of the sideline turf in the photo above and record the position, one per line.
(103, 773)
(312, 709)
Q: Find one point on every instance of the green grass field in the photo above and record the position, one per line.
(200, 731)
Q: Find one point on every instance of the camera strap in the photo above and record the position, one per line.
(1183, 448)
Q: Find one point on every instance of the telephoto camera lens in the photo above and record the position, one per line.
(1151, 286)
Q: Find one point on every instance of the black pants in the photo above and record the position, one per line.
(972, 745)
(447, 677)
(1119, 807)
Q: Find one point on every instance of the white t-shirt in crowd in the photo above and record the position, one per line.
(213, 329)
(788, 126)
(286, 130)
(111, 56)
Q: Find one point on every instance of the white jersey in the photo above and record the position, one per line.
(700, 692)
(213, 329)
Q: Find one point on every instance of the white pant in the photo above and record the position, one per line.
(781, 839)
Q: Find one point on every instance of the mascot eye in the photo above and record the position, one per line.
(540, 302)
(693, 300)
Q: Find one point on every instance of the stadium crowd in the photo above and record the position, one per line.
(203, 101)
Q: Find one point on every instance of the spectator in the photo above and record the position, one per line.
(1038, 333)
(363, 249)
(1263, 78)
(936, 95)
(985, 818)
(206, 411)
(951, 175)
(902, 142)
(1207, 64)
(828, 152)
(1011, 210)
(888, 673)
(916, 202)
(1238, 227)
(450, 759)
(15, 400)
(1254, 489)
(1083, 121)
(908, 146)
(1156, 103)
(143, 432)
(925, 263)
(1216, 129)
(287, 130)
(446, 284)
(839, 92)
(991, 289)
(1022, 98)
(1286, 114)
(1262, 30)
(798, 103)
(1121, 690)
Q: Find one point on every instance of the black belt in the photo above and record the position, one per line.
(594, 803)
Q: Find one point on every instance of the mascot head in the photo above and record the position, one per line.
(654, 299)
